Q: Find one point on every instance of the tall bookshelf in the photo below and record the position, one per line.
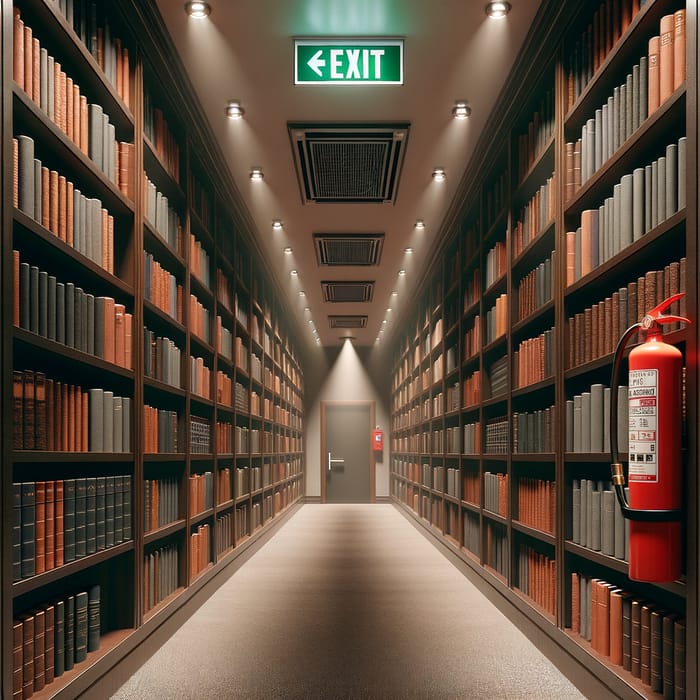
(188, 367)
(502, 477)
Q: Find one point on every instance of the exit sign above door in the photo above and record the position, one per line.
(348, 62)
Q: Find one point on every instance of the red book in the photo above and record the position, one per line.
(27, 655)
(109, 329)
(679, 45)
(39, 649)
(28, 410)
(28, 68)
(128, 325)
(18, 49)
(666, 70)
(17, 658)
(40, 423)
(653, 87)
(40, 526)
(49, 647)
(119, 335)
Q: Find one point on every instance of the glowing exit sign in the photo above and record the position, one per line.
(338, 62)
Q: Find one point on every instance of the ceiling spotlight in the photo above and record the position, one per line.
(439, 175)
(384, 322)
(302, 293)
(277, 224)
(198, 10)
(288, 250)
(307, 308)
(234, 110)
(388, 309)
(420, 224)
(497, 10)
(408, 250)
(402, 273)
(256, 174)
(461, 110)
(293, 273)
(394, 294)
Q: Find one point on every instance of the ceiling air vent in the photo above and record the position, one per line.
(347, 292)
(348, 321)
(348, 248)
(346, 163)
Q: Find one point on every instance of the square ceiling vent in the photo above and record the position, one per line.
(348, 248)
(347, 321)
(347, 292)
(348, 163)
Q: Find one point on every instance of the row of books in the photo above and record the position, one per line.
(56, 522)
(537, 577)
(199, 320)
(52, 638)
(638, 635)
(224, 438)
(162, 216)
(200, 262)
(60, 207)
(496, 263)
(597, 519)
(471, 389)
(472, 532)
(496, 551)
(588, 420)
(472, 338)
(594, 332)
(472, 438)
(498, 377)
(496, 431)
(201, 492)
(495, 198)
(200, 549)
(539, 132)
(224, 486)
(200, 435)
(158, 132)
(201, 198)
(534, 431)
(161, 288)
(535, 289)
(641, 201)
(453, 486)
(56, 94)
(609, 22)
(496, 493)
(224, 389)
(242, 522)
(224, 533)
(54, 416)
(497, 319)
(472, 288)
(64, 313)
(160, 430)
(225, 293)
(93, 28)
(161, 502)
(200, 377)
(534, 359)
(534, 216)
(537, 503)
(224, 340)
(161, 575)
(162, 359)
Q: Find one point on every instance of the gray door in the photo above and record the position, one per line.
(347, 458)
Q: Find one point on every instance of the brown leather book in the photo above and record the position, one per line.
(70, 113)
(28, 410)
(40, 527)
(645, 643)
(58, 526)
(656, 652)
(84, 125)
(64, 409)
(53, 202)
(85, 406)
(17, 649)
(594, 332)
(28, 67)
(40, 423)
(128, 330)
(70, 213)
(666, 69)
(653, 78)
(27, 655)
(105, 245)
(110, 244)
(39, 649)
(15, 288)
(595, 627)
(57, 94)
(15, 173)
(604, 603)
(636, 648)
(109, 329)
(18, 48)
(641, 298)
(616, 626)
(49, 646)
(50, 416)
(36, 63)
(45, 198)
(119, 335)
(62, 207)
(69, 410)
(679, 665)
(679, 44)
(49, 527)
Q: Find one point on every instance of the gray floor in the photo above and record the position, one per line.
(348, 601)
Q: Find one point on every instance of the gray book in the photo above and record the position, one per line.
(682, 164)
(51, 304)
(598, 144)
(111, 159)
(34, 299)
(96, 134)
(654, 194)
(626, 211)
(78, 319)
(126, 424)
(624, 315)
(643, 88)
(661, 214)
(77, 242)
(619, 551)
(586, 421)
(43, 304)
(648, 225)
(617, 219)
(108, 422)
(671, 179)
(90, 323)
(24, 296)
(577, 424)
(105, 145)
(37, 190)
(569, 426)
(635, 98)
(590, 149)
(595, 504)
(60, 313)
(576, 512)
(95, 231)
(43, 80)
(583, 530)
(608, 524)
(597, 417)
(606, 419)
(621, 136)
(629, 106)
(590, 487)
(605, 131)
(118, 429)
(616, 120)
(611, 126)
(627, 528)
(637, 204)
(70, 314)
(50, 88)
(96, 424)
(26, 174)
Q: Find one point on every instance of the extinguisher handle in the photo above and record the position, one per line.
(656, 314)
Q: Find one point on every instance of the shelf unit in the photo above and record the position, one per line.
(497, 475)
(204, 454)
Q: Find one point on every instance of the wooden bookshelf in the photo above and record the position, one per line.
(171, 199)
(502, 230)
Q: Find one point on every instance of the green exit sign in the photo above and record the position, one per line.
(340, 62)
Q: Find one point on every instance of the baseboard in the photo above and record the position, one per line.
(384, 499)
(312, 499)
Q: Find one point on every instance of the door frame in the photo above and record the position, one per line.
(372, 465)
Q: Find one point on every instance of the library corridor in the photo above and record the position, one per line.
(348, 601)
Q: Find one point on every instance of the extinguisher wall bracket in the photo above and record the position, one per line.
(648, 323)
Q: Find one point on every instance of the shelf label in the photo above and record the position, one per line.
(339, 62)
(643, 413)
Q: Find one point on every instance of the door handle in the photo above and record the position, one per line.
(332, 461)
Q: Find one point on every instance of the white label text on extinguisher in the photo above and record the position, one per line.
(643, 421)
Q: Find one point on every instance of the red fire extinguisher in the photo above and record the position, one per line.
(377, 440)
(654, 474)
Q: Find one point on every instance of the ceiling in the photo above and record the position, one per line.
(245, 51)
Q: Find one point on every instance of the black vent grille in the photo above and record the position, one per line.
(347, 321)
(347, 163)
(348, 248)
(347, 292)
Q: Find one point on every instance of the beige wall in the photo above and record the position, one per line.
(343, 377)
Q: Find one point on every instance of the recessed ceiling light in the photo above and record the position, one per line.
(288, 250)
(293, 273)
(461, 110)
(402, 273)
(198, 10)
(234, 110)
(439, 175)
(408, 250)
(388, 309)
(420, 224)
(256, 174)
(384, 322)
(277, 224)
(307, 308)
(497, 10)
(302, 293)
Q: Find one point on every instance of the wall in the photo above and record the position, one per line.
(343, 374)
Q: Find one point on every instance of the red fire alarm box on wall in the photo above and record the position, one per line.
(378, 440)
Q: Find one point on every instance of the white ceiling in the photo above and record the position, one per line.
(244, 51)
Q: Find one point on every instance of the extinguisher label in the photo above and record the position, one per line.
(643, 421)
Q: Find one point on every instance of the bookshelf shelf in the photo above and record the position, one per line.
(162, 532)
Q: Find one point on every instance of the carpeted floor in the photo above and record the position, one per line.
(348, 601)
